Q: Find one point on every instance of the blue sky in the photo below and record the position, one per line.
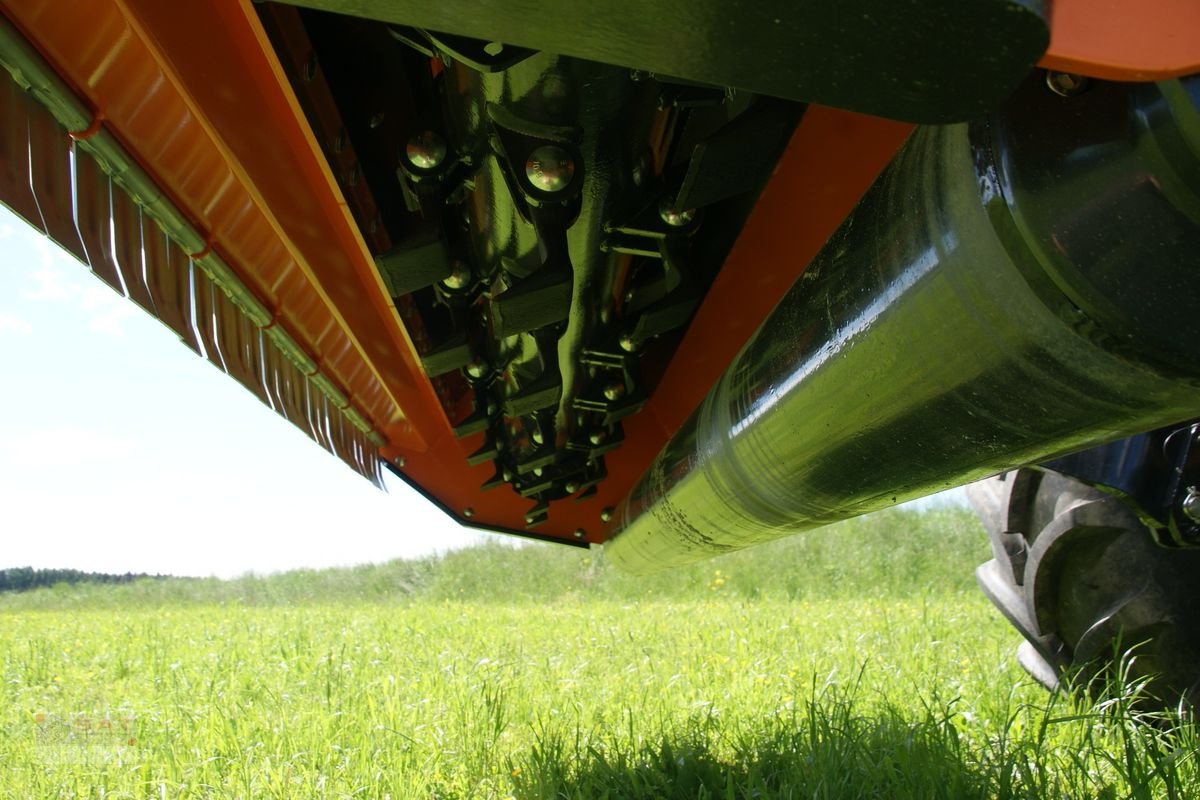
(120, 450)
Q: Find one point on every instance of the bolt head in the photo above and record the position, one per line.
(468, 512)
(579, 533)
(642, 169)
(572, 487)
(537, 472)
(477, 367)
(614, 391)
(459, 277)
(674, 218)
(426, 150)
(1191, 504)
(1066, 84)
(606, 514)
(597, 437)
(400, 461)
(550, 169)
(627, 343)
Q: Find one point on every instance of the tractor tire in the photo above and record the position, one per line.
(1081, 577)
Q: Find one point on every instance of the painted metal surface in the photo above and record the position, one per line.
(915, 60)
(175, 112)
(223, 137)
(1124, 40)
(90, 197)
(1007, 292)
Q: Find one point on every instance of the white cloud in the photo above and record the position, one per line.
(10, 323)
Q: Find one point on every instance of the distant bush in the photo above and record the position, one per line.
(24, 579)
(897, 553)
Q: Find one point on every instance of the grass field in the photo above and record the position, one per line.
(857, 661)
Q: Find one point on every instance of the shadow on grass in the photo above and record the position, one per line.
(826, 751)
(838, 744)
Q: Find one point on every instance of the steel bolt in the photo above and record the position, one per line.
(627, 343)
(477, 367)
(642, 169)
(537, 472)
(597, 437)
(572, 487)
(614, 391)
(550, 168)
(468, 512)
(676, 219)
(459, 277)
(606, 514)
(507, 475)
(531, 518)
(580, 533)
(426, 150)
(1066, 84)
(1191, 504)
(400, 461)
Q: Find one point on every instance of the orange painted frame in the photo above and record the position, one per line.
(117, 64)
(1124, 40)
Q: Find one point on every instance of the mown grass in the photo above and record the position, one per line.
(546, 675)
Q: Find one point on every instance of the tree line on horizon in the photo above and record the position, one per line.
(23, 579)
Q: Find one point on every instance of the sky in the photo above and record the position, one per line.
(123, 451)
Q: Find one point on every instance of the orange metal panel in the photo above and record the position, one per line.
(1124, 40)
(188, 89)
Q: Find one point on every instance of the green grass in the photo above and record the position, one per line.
(899, 554)
(840, 669)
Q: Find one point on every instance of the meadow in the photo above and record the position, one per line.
(855, 661)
